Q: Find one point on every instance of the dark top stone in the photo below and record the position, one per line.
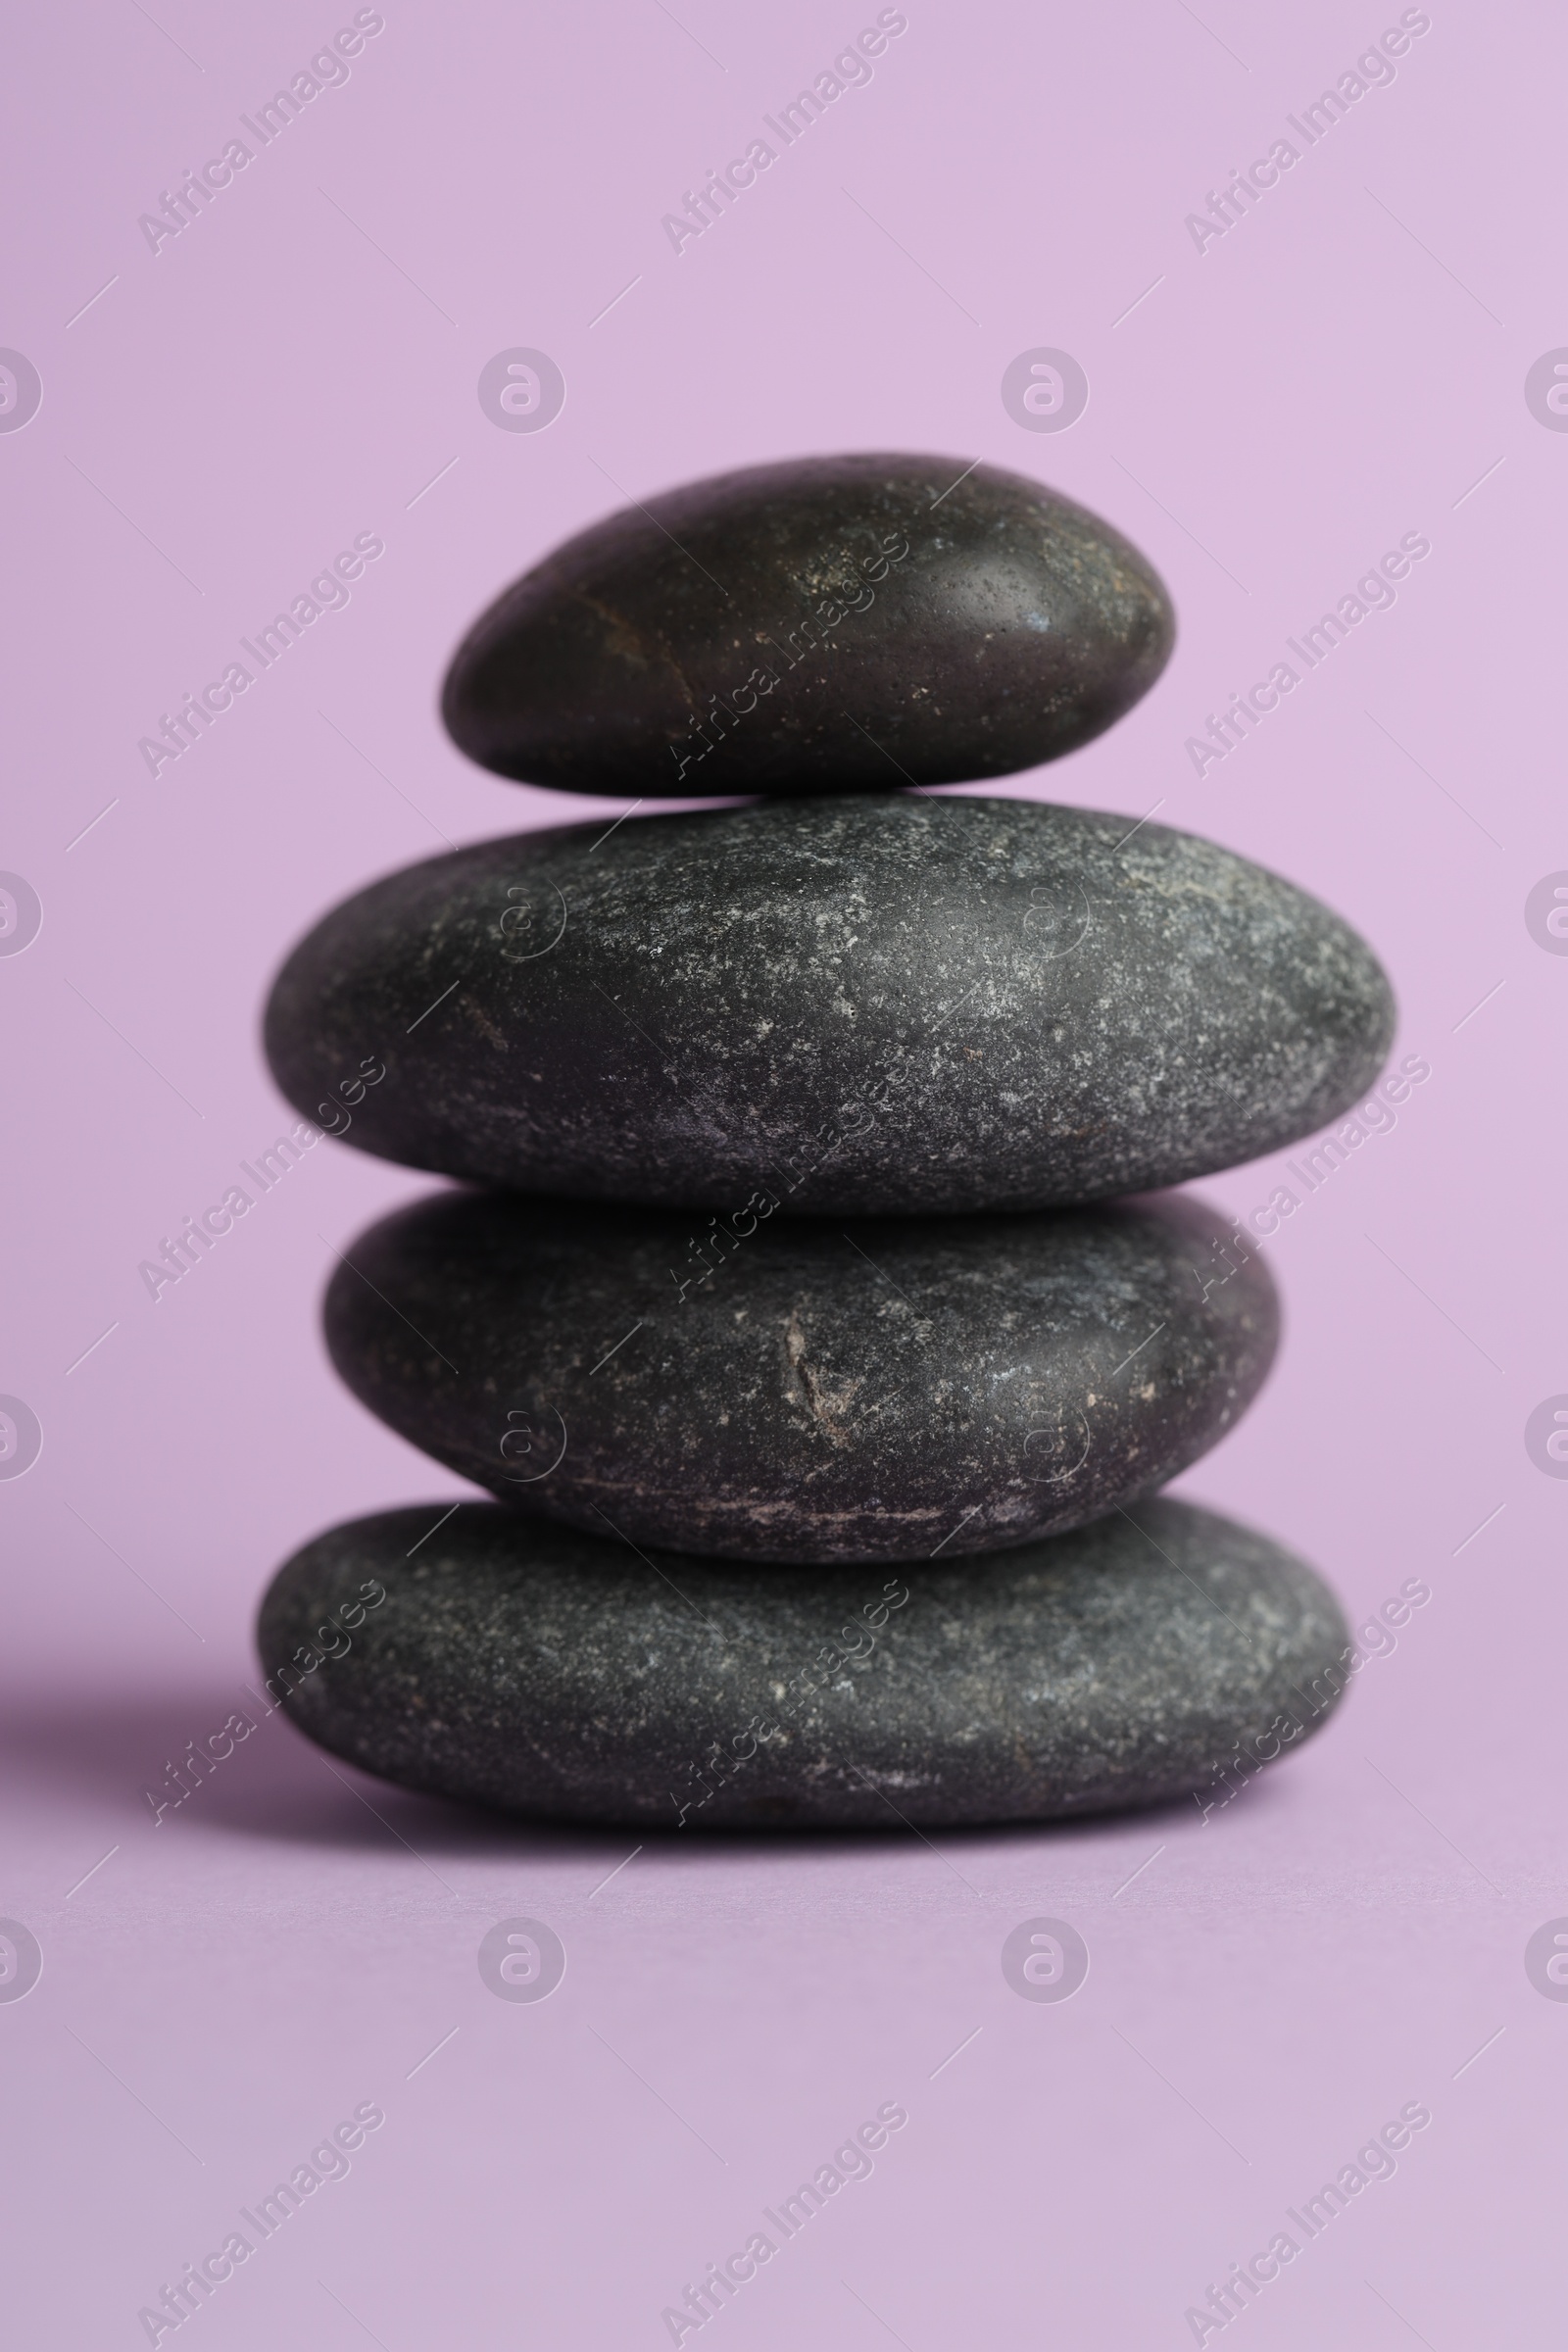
(802, 1390)
(536, 1669)
(871, 1004)
(827, 625)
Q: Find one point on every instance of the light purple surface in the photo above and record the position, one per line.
(1344, 365)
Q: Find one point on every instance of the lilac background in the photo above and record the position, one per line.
(1341, 368)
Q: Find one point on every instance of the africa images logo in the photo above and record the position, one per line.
(851, 69)
(327, 69)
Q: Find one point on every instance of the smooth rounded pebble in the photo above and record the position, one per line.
(805, 1390)
(542, 1671)
(832, 624)
(871, 1006)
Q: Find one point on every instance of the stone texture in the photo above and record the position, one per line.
(833, 625)
(536, 1669)
(868, 1005)
(805, 1390)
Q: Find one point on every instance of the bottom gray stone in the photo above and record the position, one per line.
(521, 1665)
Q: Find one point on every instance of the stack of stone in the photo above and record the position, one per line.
(822, 1327)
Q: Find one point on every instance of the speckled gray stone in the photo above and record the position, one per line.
(805, 1391)
(535, 1669)
(873, 1004)
(832, 624)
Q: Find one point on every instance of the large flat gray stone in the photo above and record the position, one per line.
(805, 1390)
(529, 1667)
(873, 1006)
